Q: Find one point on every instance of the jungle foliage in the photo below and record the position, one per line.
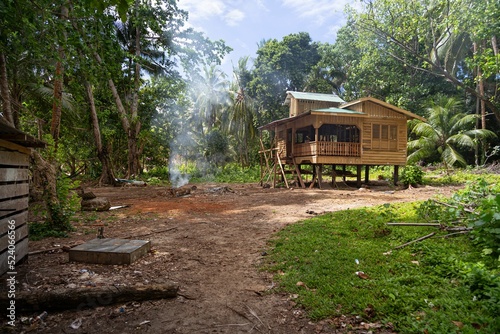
(125, 87)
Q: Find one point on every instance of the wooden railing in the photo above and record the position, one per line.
(327, 148)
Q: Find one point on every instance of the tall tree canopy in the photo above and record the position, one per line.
(438, 37)
(281, 66)
(110, 51)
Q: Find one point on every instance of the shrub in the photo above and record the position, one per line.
(487, 226)
(412, 175)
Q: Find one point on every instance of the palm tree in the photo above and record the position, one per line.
(240, 114)
(210, 97)
(446, 130)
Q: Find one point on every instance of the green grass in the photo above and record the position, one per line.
(457, 176)
(417, 288)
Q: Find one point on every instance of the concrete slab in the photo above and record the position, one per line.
(110, 251)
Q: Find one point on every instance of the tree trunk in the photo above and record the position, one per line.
(44, 182)
(132, 130)
(107, 175)
(5, 92)
(481, 93)
(82, 298)
(130, 120)
(133, 159)
(494, 45)
(55, 125)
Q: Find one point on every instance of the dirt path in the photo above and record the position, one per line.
(211, 243)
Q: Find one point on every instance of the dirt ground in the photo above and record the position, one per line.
(211, 243)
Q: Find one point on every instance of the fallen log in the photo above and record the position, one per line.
(83, 298)
(441, 226)
(179, 192)
(414, 224)
(416, 240)
(455, 234)
(454, 206)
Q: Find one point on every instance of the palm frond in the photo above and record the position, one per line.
(419, 154)
(461, 140)
(423, 129)
(450, 156)
(481, 133)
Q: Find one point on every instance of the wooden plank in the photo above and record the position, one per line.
(282, 171)
(20, 252)
(14, 174)
(14, 205)
(21, 233)
(13, 190)
(14, 147)
(19, 218)
(383, 160)
(13, 158)
(299, 176)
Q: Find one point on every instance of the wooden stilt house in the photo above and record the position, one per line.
(324, 130)
(15, 149)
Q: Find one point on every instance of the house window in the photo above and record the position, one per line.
(345, 133)
(384, 137)
(376, 131)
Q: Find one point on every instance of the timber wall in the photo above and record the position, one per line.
(298, 107)
(14, 193)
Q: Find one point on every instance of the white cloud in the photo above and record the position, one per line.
(319, 11)
(234, 17)
(203, 9)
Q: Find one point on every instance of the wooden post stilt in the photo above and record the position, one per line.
(358, 175)
(299, 176)
(314, 177)
(396, 174)
(334, 175)
(319, 172)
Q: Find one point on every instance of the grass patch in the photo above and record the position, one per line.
(440, 177)
(425, 287)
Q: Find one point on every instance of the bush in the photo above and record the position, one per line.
(412, 175)
(487, 226)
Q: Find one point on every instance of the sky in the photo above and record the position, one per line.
(242, 24)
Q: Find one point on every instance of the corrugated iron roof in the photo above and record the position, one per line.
(338, 111)
(313, 97)
(332, 110)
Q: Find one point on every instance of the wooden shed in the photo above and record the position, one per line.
(15, 149)
(324, 130)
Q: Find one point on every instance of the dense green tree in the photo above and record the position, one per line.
(281, 66)
(328, 75)
(102, 59)
(368, 69)
(437, 37)
(446, 131)
(164, 98)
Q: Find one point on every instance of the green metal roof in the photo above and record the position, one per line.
(339, 111)
(313, 96)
